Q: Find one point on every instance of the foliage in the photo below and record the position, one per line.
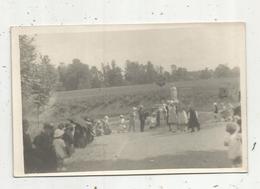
(38, 75)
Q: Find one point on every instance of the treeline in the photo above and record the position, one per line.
(78, 75)
(39, 77)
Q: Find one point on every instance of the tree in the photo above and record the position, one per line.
(134, 73)
(181, 74)
(44, 83)
(205, 74)
(77, 76)
(151, 74)
(112, 74)
(222, 70)
(38, 76)
(235, 72)
(28, 57)
(96, 77)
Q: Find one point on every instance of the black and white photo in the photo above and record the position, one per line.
(129, 99)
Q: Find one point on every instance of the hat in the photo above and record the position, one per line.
(215, 104)
(231, 127)
(121, 116)
(106, 117)
(58, 133)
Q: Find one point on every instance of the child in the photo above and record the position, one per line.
(234, 144)
(106, 126)
(99, 128)
(60, 149)
(122, 124)
(151, 120)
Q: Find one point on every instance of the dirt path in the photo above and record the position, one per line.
(153, 149)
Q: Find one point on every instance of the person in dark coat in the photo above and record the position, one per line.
(142, 117)
(27, 149)
(193, 120)
(68, 139)
(44, 149)
(158, 118)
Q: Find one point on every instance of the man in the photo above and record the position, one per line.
(44, 149)
(141, 117)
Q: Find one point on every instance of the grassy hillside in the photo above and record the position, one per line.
(120, 100)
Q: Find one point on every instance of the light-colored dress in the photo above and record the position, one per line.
(60, 148)
(182, 118)
(172, 119)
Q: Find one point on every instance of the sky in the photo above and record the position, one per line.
(194, 47)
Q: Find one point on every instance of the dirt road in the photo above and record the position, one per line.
(153, 149)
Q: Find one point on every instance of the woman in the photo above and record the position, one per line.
(172, 117)
(132, 120)
(182, 119)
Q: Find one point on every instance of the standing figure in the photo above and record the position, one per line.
(132, 120)
(158, 117)
(68, 138)
(60, 149)
(193, 120)
(142, 117)
(44, 149)
(28, 155)
(172, 117)
(182, 119)
(215, 111)
(164, 113)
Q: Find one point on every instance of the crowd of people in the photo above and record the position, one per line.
(55, 143)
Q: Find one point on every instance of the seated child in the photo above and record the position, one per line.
(122, 126)
(234, 144)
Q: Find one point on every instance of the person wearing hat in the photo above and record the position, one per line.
(234, 144)
(60, 149)
(44, 149)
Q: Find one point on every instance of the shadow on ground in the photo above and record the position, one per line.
(190, 159)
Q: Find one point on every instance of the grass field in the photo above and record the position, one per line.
(119, 100)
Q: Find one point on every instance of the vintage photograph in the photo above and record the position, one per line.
(129, 99)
